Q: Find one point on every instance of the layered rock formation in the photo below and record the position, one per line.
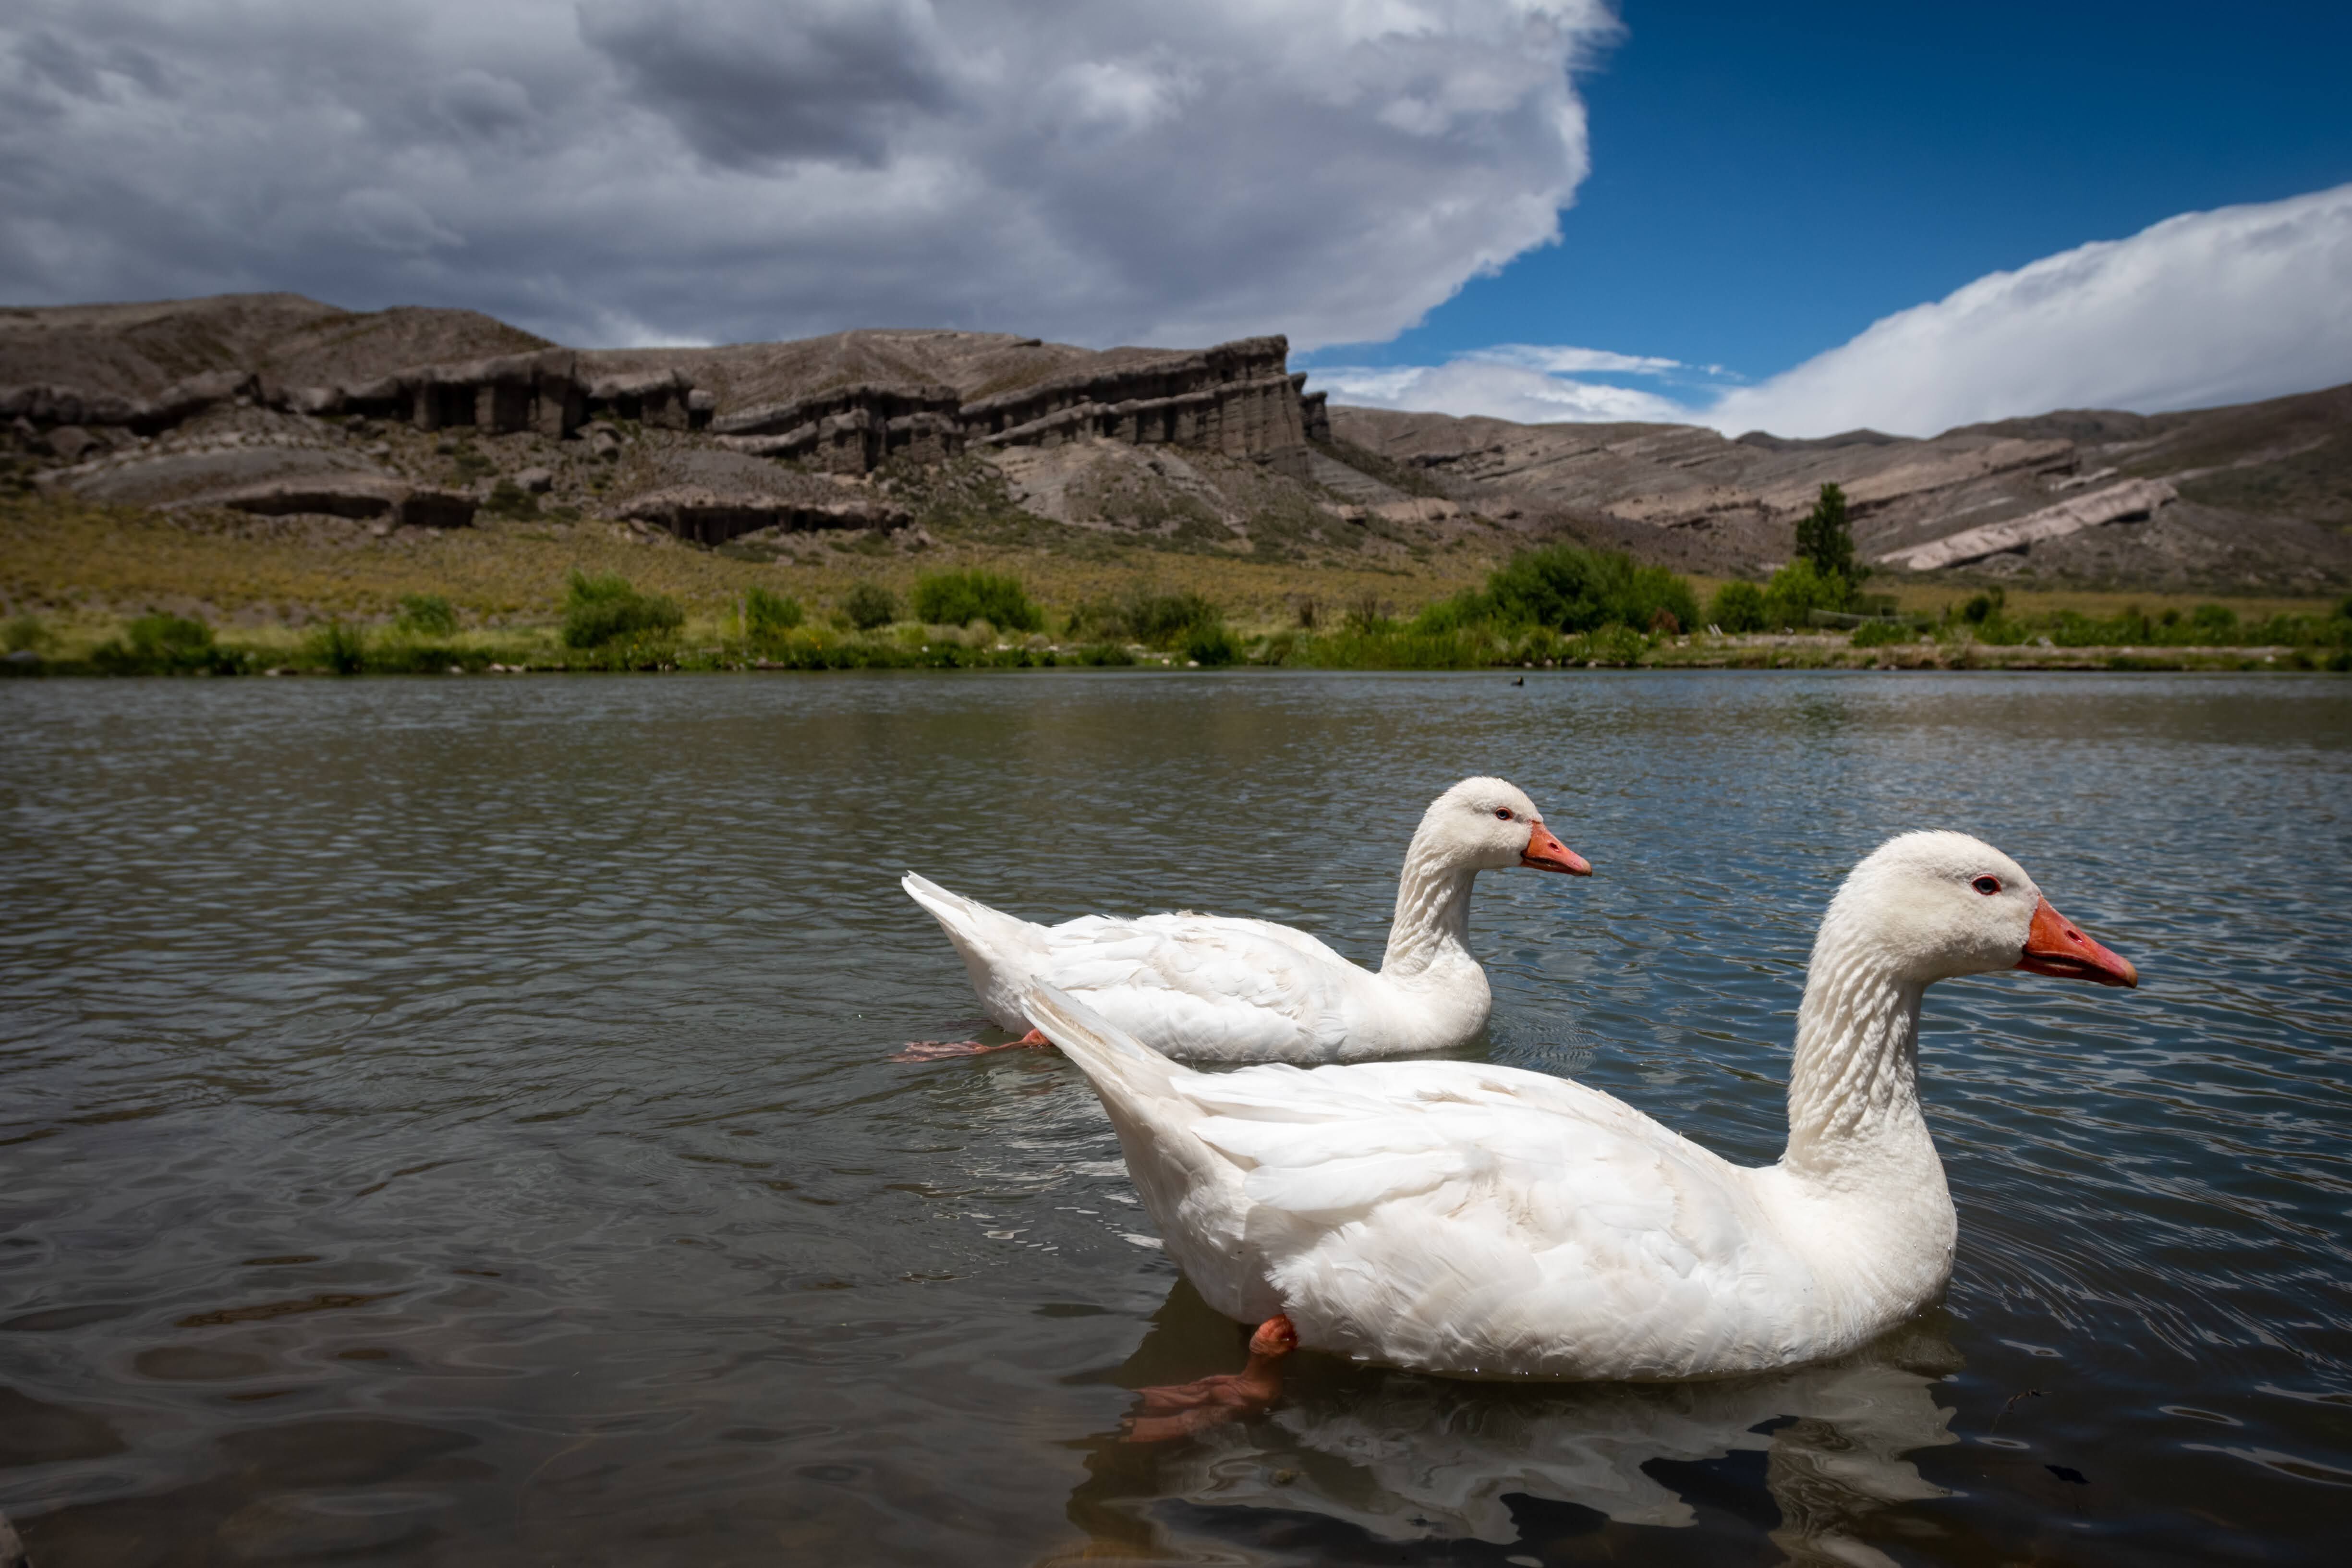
(852, 429)
(1238, 399)
(924, 397)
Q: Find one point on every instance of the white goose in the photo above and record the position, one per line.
(1485, 1222)
(1209, 988)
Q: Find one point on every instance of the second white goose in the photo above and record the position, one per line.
(1212, 988)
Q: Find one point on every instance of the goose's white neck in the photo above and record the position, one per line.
(1853, 1085)
(1432, 912)
(1860, 1192)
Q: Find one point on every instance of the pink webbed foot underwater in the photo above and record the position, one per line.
(945, 1050)
(1179, 1410)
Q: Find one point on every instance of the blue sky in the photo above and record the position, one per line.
(1768, 180)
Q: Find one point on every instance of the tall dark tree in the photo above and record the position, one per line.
(1823, 538)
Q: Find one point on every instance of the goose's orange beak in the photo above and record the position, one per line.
(2054, 946)
(1545, 853)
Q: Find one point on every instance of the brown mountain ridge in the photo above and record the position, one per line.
(417, 417)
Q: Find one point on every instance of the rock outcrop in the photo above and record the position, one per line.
(935, 393)
(539, 392)
(73, 408)
(852, 429)
(2133, 501)
(360, 498)
(1314, 409)
(1238, 399)
(713, 517)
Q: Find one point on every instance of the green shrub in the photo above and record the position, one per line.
(160, 644)
(338, 647)
(1568, 589)
(600, 610)
(767, 615)
(1987, 606)
(508, 499)
(26, 634)
(1409, 648)
(178, 637)
(1619, 644)
(1211, 645)
(1101, 653)
(1737, 607)
(870, 605)
(1800, 588)
(1166, 620)
(959, 598)
(2214, 623)
(427, 615)
(1879, 634)
(1367, 614)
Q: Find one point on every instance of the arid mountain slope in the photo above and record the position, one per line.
(2255, 495)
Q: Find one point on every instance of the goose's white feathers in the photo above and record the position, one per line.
(1217, 988)
(1442, 1215)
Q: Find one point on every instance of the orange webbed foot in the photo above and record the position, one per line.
(948, 1050)
(1181, 1409)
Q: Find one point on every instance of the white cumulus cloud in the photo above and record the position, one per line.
(2209, 308)
(2203, 309)
(739, 169)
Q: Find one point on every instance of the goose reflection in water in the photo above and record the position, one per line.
(1400, 1456)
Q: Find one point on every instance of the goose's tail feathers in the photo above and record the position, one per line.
(987, 936)
(948, 909)
(1120, 1066)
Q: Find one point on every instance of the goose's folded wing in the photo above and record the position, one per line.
(1193, 985)
(1464, 1215)
(1302, 942)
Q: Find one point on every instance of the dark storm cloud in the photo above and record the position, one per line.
(634, 169)
(746, 83)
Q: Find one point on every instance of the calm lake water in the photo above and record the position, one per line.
(452, 1121)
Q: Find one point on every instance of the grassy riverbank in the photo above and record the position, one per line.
(106, 590)
(188, 646)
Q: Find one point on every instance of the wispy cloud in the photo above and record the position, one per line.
(1533, 384)
(1555, 360)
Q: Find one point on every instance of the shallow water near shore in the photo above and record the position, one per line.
(448, 1122)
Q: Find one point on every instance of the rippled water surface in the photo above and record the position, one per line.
(453, 1121)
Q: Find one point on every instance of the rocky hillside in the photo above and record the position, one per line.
(277, 407)
(2255, 497)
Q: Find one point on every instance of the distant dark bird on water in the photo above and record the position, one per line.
(1518, 680)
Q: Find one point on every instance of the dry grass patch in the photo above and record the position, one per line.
(82, 565)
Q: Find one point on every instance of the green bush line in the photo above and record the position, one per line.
(1561, 605)
(959, 598)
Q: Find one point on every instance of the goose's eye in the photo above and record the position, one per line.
(1987, 886)
(1503, 813)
